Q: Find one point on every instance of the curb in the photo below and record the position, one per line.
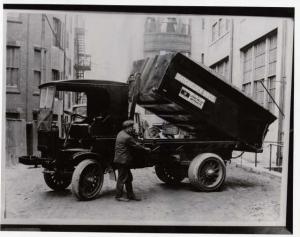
(259, 170)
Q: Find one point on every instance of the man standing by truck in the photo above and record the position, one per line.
(124, 149)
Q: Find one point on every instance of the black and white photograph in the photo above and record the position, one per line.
(129, 117)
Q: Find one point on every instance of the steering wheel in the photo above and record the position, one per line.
(74, 114)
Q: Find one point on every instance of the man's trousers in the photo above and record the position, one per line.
(124, 178)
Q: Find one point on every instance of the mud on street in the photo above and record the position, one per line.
(246, 197)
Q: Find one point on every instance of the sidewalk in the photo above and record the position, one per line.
(259, 169)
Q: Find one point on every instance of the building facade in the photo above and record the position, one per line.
(254, 54)
(162, 35)
(166, 35)
(82, 61)
(39, 48)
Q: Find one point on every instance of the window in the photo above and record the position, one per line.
(79, 98)
(55, 75)
(272, 55)
(259, 92)
(202, 58)
(36, 82)
(150, 25)
(12, 66)
(259, 65)
(35, 113)
(37, 59)
(57, 32)
(184, 29)
(271, 88)
(221, 67)
(214, 32)
(169, 25)
(13, 115)
(37, 70)
(219, 28)
(247, 88)
(247, 65)
(259, 53)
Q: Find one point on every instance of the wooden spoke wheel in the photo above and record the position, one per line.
(87, 179)
(169, 175)
(56, 181)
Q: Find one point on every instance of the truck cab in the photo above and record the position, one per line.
(77, 120)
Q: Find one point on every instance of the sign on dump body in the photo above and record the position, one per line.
(195, 87)
(191, 97)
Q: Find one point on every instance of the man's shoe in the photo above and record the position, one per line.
(134, 198)
(122, 199)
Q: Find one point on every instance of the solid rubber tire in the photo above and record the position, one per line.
(197, 163)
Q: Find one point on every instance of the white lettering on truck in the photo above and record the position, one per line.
(195, 87)
(191, 97)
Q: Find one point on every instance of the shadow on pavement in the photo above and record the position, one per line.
(107, 193)
(238, 183)
(180, 186)
(63, 193)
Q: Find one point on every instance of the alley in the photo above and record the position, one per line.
(245, 198)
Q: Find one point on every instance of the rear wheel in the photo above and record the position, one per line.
(87, 179)
(56, 180)
(207, 172)
(169, 175)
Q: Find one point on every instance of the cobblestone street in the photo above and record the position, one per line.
(246, 198)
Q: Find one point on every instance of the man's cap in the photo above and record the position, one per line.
(127, 123)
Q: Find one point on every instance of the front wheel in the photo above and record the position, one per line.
(207, 172)
(87, 179)
(56, 180)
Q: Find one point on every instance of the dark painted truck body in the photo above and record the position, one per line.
(217, 116)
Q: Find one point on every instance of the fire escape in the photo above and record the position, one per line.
(82, 60)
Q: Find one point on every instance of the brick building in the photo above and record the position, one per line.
(39, 48)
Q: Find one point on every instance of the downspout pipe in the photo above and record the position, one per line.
(27, 68)
(282, 91)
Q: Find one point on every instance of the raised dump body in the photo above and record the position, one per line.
(192, 97)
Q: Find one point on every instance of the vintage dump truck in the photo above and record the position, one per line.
(217, 119)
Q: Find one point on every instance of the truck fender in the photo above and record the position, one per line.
(83, 155)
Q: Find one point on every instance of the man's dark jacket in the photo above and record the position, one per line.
(125, 145)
